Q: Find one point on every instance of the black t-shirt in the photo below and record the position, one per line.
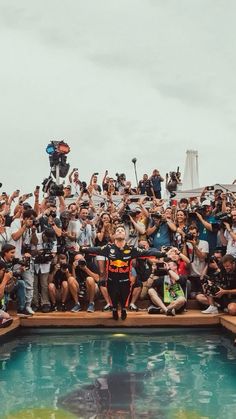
(81, 275)
(229, 280)
(143, 269)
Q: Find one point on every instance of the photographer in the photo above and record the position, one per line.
(86, 230)
(211, 279)
(15, 284)
(134, 227)
(230, 233)
(23, 234)
(197, 251)
(156, 180)
(50, 220)
(43, 251)
(5, 278)
(84, 280)
(58, 283)
(225, 293)
(145, 186)
(160, 230)
(94, 188)
(207, 224)
(168, 291)
(75, 182)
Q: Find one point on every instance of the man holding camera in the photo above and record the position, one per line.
(5, 279)
(168, 291)
(58, 283)
(196, 251)
(43, 251)
(230, 234)
(159, 230)
(84, 280)
(15, 284)
(224, 294)
(207, 225)
(86, 233)
(22, 234)
(156, 180)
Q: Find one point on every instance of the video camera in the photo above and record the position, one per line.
(44, 256)
(224, 217)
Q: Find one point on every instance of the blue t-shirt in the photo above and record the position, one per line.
(209, 236)
(156, 183)
(161, 237)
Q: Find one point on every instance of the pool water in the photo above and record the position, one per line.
(106, 374)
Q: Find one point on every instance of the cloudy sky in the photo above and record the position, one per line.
(117, 79)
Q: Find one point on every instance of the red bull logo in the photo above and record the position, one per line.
(119, 266)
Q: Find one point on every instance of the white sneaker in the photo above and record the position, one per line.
(210, 310)
(29, 310)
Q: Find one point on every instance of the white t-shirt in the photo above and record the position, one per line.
(197, 266)
(231, 243)
(5, 237)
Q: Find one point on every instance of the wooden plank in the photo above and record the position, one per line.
(14, 325)
(229, 322)
(100, 319)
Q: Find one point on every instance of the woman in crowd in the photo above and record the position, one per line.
(5, 234)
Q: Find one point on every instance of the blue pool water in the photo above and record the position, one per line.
(96, 374)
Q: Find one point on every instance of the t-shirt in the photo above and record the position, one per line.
(156, 181)
(231, 243)
(209, 236)
(162, 236)
(5, 237)
(197, 266)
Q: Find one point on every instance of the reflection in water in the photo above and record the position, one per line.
(100, 375)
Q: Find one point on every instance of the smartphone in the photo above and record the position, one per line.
(210, 188)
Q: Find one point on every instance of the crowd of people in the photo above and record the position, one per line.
(119, 244)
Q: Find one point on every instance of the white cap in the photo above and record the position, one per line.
(206, 203)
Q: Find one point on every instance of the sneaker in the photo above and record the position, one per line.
(107, 307)
(63, 307)
(46, 308)
(123, 314)
(170, 312)
(91, 308)
(23, 313)
(6, 322)
(133, 307)
(210, 310)
(29, 310)
(76, 308)
(35, 308)
(53, 307)
(154, 310)
(115, 314)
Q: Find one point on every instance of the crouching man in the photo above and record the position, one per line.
(168, 291)
(5, 278)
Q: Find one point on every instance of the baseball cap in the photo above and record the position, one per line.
(206, 203)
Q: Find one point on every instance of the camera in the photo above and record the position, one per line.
(213, 259)
(51, 188)
(24, 262)
(44, 257)
(189, 237)
(157, 215)
(82, 263)
(224, 217)
(211, 285)
(53, 214)
(64, 266)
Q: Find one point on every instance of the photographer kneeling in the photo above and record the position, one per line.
(5, 278)
(84, 279)
(168, 291)
(15, 285)
(224, 293)
(58, 283)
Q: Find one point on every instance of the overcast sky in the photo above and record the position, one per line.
(117, 79)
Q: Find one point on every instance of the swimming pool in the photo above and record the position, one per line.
(136, 374)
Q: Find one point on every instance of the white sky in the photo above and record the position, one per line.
(117, 79)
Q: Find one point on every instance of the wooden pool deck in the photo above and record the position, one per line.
(141, 319)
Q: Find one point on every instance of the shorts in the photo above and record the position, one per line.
(225, 301)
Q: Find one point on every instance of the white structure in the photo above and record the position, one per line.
(191, 177)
